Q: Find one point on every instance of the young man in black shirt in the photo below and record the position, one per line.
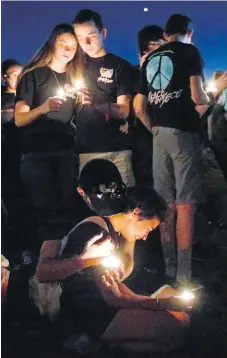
(109, 81)
(171, 87)
(149, 39)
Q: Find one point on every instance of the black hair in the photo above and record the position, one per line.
(178, 24)
(148, 201)
(102, 183)
(147, 34)
(96, 172)
(6, 64)
(86, 15)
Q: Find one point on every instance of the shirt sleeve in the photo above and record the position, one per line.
(26, 88)
(74, 243)
(125, 80)
(142, 83)
(195, 62)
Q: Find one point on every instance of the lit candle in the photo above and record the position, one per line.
(61, 93)
(111, 262)
(211, 87)
(79, 84)
(186, 296)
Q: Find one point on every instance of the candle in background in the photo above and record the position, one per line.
(211, 87)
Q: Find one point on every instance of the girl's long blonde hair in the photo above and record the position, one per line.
(44, 56)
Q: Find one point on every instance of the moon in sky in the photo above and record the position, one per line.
(145, 9)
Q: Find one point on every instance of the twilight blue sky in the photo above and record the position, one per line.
(27, 24)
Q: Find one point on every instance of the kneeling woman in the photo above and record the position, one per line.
(102, 305)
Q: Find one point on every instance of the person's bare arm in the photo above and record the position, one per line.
(140, 109)
(119, 296)
(25, 116)
(220, 84)
(198, 94)
(119, 110)
(52, 268)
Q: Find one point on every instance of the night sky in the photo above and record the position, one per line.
(26, 25)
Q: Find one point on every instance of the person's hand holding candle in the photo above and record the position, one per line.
(81, 89)
(52, 104)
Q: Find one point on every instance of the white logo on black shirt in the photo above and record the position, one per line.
(106, 75)
(161, 97)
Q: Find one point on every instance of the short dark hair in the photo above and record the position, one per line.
(178, 24)
(7, 64)
(117, 198)
(148, 201)
(147, 34)
(85, 15)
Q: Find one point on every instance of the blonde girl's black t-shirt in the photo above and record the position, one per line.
(51, 131)
(106, 77)
(165, 80)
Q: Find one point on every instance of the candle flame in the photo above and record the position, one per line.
(61, 92)
(187, 295)
(211, 87)
(111, 262)
(79, 84)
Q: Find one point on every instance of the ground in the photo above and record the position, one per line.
(25, 334)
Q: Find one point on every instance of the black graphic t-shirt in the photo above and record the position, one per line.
(7, 106)
(8, 100)
(50, 132)
(107, 78)
(165, 80)
(9, 135)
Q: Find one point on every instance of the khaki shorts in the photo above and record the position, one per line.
(122, 160)
(177, 165)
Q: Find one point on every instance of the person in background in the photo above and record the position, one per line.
(171, 87)
(149, 39)
(149, 252)
(217, 124)
(44, 109)
(109, 80)
(17, 234)
(11, 70)
(215, 137)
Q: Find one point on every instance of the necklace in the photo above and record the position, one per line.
(58, 83)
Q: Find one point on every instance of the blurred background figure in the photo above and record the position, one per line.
(217, 123)
(14, 229)
(149, 39)
(11, 70)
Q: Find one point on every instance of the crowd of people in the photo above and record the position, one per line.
(97, 154)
